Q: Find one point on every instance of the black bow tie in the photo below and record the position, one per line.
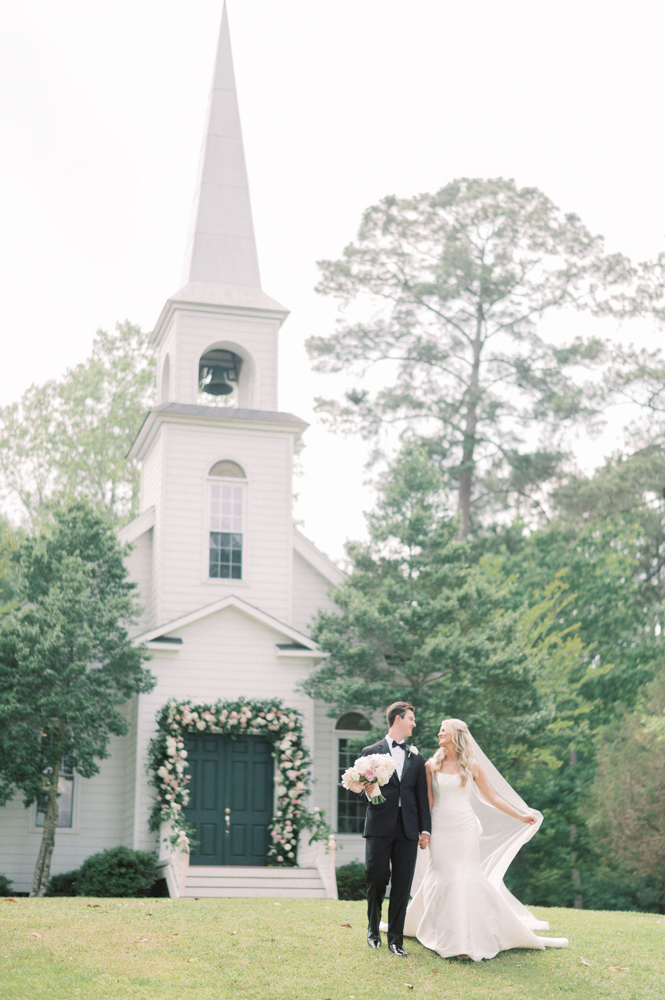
(402, 746)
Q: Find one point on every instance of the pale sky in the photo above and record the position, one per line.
(342, 103)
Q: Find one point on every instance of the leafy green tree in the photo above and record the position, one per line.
(416, 620)
(618, 628)
(595, 551)
(73, 435)
(628, 489)
(9, 541)
(66, 663)
(626, 807)
(447, 291)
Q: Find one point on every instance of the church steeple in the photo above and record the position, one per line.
(220, 329)
(221, 249)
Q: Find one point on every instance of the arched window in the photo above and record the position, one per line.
(354, 721)
(351, 808)
(227, 515)
(227, 470)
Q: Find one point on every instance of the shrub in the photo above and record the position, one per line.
(119, 871)
(64, 884)
(5, 886)
(352, 881)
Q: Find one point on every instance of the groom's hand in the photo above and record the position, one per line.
(423, 841)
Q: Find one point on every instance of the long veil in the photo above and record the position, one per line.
(501, 838)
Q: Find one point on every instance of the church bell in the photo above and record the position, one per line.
(219, 372)
(218, 384)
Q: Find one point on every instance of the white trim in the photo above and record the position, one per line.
(317, 559)
(231, 601)
(302, 654)
(224, 300)
(158, 417)
(144, 522)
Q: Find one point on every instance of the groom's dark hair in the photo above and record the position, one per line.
(397, 708)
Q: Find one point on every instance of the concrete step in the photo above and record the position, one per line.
(288, 883)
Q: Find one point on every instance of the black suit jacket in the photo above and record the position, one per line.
(380, 820)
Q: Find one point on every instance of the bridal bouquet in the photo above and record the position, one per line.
(368, 774)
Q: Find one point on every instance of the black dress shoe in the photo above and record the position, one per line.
(396, 950)
(373, 940)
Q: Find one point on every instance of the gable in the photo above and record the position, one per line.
(287, 641)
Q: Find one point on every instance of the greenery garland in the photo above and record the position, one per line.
(281, 726)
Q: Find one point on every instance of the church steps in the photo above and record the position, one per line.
(285, 883)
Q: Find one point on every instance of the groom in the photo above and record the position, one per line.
(395, 828)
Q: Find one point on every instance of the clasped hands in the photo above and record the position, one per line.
(423, 841)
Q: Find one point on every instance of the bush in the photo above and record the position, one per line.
(352, 881)
(5, 886)
(64, 884)
(119, 871)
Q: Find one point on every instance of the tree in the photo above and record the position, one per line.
(628, 489)
(626, 808)
(416, 620)
(448, 290)
(9, 541)
(66, 662)
(74, 435)
(597, 550)
(618, 627)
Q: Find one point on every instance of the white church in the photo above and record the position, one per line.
(228, 585)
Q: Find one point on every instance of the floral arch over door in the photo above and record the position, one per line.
(282, 727)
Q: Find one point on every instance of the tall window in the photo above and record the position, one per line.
(65, 797)
(351, 808)
(226, 523)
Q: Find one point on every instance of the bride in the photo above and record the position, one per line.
(460, 905)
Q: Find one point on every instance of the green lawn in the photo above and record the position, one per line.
(62, 949)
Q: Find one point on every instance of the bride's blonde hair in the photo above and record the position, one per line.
(462, 740)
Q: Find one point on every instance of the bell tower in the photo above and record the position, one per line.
(216, 456)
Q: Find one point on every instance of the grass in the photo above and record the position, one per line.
(237, 949)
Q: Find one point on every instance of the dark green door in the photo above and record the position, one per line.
(230, 799)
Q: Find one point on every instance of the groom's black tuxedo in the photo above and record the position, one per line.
(411, 791)
(391, 834)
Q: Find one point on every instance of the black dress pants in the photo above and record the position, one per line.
(385, 858)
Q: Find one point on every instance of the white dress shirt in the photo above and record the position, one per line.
(398, 755)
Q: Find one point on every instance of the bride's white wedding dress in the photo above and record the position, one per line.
(461, 906)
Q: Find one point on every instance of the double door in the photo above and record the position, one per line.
(230, 799)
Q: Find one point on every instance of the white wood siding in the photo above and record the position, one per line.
(226, 655)
(310, 592)
(139, 566)
(99, 818)
(181, 582)
(254, 337)
(152, 480)
(350, 847)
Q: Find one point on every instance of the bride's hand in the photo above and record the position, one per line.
(528, 818)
